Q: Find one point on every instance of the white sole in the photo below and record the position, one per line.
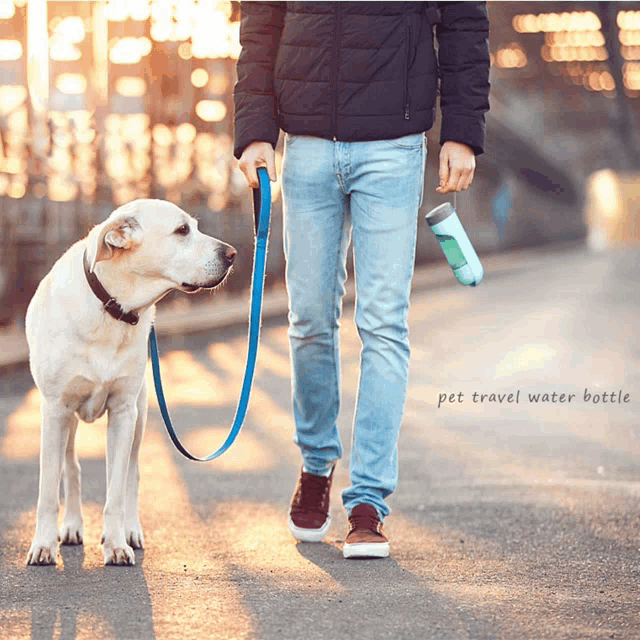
(366, 550)
(309, 535)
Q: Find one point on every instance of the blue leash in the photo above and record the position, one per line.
(262, 212)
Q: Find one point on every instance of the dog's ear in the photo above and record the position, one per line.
(120, 231)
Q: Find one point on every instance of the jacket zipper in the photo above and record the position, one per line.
(407, 98)
(335, 70)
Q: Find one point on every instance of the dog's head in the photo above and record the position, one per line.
(157, 241)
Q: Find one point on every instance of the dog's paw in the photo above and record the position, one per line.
(134, 537)
(42, 554)
(118, 555)
(71, 533)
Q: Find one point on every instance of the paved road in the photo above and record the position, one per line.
(514, 519)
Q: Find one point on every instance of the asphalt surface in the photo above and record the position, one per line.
(513, 518)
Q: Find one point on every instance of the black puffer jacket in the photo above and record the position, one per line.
(361, 70)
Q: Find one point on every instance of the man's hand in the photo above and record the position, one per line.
(258, 154)
(457, 164)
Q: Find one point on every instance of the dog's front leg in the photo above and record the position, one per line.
(72, 529)
(120, 433)
(54, 433)
(133, 529)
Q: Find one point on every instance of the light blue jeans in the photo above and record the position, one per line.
(332, 191)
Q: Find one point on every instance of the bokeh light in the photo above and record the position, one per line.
(576, 37)
(98, 75)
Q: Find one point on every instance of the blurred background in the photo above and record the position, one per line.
(105, 102)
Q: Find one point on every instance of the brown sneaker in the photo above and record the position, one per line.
(309, 517)
(365, 538)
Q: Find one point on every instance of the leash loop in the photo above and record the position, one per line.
(262, 213)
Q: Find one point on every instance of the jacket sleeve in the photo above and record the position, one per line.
(254, 99)
(463, 57)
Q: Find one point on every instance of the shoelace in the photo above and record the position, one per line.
(312, 491)
(364, 521)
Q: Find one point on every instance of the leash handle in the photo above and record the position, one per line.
(262, 213)
(262, 207)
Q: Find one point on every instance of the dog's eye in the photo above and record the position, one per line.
(183, 230)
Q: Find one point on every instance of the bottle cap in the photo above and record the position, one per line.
(440, 213)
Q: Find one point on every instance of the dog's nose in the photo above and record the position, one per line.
(230, 254)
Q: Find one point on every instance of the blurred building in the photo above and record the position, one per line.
(102, 102)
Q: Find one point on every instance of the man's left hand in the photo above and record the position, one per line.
(457, 165)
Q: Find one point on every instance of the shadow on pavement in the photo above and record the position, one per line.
(381, 598)
(72, 600)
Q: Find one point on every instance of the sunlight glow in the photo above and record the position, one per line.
(199, 28)
(184, 51)
(165, 499)
(187, 381)
(10, 50)
(199, 77)
(162, 135)
(525, 358)
(120, 10)
(22, 438)
(60, 189)
(7, 9)
(64, 51)
(185, 133)
(577, 37)
(71, 83)
(511, 57)
(277, 561)
(70, 29)
(38, 64)
(249, 454)
(16, 190)
(11, 96)
(131, 87)
(574, 21)
(611, 209)
(211, 110)
(628, 20)
(129, 50)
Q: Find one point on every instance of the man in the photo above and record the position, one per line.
(354, 85)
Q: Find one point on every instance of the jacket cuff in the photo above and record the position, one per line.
(464, 129)
(243, 139)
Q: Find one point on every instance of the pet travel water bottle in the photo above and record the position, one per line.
(457, 248)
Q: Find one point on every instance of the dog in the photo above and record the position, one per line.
(87, 329)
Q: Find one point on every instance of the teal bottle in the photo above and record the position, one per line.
(457, 247)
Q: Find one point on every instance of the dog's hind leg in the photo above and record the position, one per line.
(54, 433)
(120, 435)
(72, 529)
(132, 520)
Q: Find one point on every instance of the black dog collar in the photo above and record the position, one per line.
(110, 304)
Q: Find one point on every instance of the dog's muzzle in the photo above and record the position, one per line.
(228, 256)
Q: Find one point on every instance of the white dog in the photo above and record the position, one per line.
(88, 357)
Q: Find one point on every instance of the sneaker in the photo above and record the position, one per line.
(365, 538)
(309, 517)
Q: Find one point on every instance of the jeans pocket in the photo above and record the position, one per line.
(411, 141)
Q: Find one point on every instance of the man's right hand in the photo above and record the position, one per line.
(258, 154)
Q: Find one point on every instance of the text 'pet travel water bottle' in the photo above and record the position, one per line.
(457, 247)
